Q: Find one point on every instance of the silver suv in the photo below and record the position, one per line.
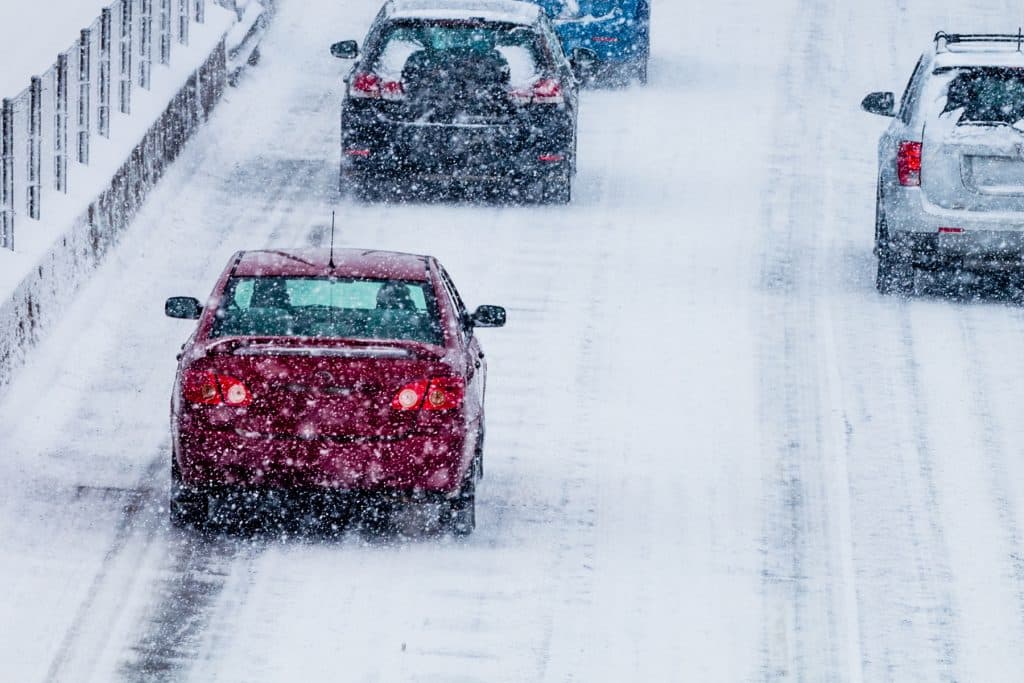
(951, 164)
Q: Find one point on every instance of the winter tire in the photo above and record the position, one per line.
(462, 511)
(895, 274)
(558, 190)
(188, 508)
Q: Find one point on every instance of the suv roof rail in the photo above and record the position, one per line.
(944, 42)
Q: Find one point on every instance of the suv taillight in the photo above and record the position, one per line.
(439, 393)
(908, 163)
(372, 86)
(211, 389)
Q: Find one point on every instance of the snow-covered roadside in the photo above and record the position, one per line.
(33, 33)
(55, 253)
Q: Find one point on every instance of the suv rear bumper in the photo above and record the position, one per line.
(906, 209)
(974, 250)
(933, 236)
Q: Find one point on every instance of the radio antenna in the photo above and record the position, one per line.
(331, 262)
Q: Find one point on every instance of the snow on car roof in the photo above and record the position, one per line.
(358, 263)
(511, 11)
(987, 56)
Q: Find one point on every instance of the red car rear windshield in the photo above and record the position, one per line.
(328, 308)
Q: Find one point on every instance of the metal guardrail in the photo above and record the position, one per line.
(72, 100)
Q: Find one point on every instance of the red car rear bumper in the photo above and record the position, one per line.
(430, 463)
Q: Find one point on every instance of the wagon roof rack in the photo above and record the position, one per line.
(948, 42)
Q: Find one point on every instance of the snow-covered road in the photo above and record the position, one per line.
(714, 453)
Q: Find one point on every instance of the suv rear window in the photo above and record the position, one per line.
(328, 308)
(986, 95)
(514, 51)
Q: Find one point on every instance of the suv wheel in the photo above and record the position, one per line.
(895, 273)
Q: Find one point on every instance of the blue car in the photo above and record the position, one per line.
(617, 32)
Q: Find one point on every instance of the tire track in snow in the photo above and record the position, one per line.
(811, 629)
(138, 513)
(197, 569)
(932, 562)
(992, 442)
(195, 575)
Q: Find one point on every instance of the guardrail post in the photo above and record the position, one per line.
(145, 43)
(103, 109)
(165, 31)
(60, 124)
(84, 94)
(35, 143)
(200, 11)
(183, 21)
(7, 175)
(126, 56)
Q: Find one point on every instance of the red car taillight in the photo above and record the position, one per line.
(372, 86)
(440, 393)
(908, 163)
(211, 389)
(410, 396)
(445, 393)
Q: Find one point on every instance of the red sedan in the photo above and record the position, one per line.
(356, 373)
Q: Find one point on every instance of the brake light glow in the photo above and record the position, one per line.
(365, 85)
(950, 231)
(548, 91)
(358, 152)
(410, 397)
(551, 158)
(371, 86)
(211, 389)
(440, 393)
(392, 90)
(908, 163)
(445, 393)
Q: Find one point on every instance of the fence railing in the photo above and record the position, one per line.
(71, 101)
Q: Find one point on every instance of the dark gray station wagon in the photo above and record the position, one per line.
(459, 92)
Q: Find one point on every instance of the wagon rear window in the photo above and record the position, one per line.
(328, 308)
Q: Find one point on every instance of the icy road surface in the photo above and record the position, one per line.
(714, 453)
